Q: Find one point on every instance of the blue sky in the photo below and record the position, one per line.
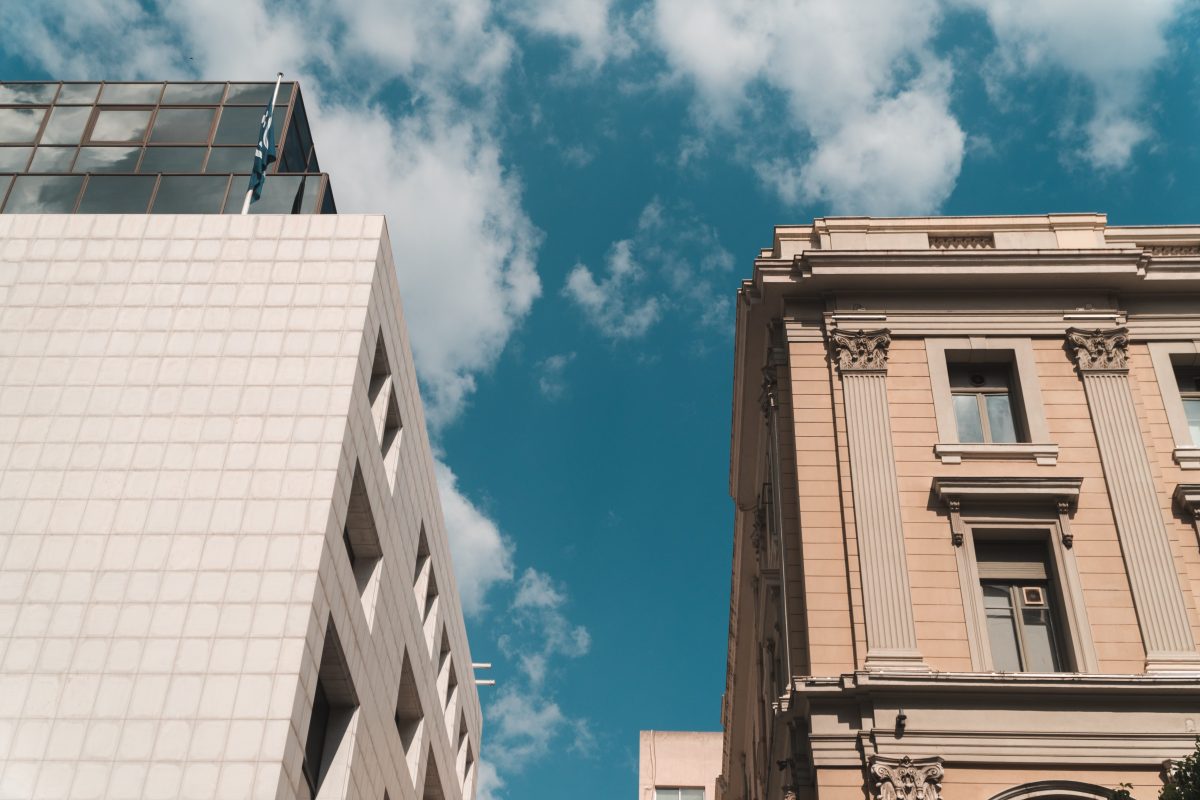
(574, 190)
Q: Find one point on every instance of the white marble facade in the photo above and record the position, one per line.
(185, 404)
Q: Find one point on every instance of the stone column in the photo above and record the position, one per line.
(887, 599)
(1102, 359)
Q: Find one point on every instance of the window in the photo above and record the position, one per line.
(20, 125)
(983, 402)
(1177, 369)
(334, 705)
(1188, 380)
(409, 718)
(1019, 606)
(120, 125)
(361, 539)
(678, 793)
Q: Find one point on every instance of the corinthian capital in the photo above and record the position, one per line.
(906, 779)
(1099, 349)
(861, 350)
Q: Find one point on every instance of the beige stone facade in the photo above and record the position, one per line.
(967, 483)
(678, 765)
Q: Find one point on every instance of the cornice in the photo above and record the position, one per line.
(1007, 490)
(1182, 683)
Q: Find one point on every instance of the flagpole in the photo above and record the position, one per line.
(274, 97)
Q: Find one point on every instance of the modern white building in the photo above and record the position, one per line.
(224, 571)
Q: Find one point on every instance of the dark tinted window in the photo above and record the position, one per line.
(292, 158)
(107, 159)
(66, 125)
(230, 159)
(256, 93)
(5, 180)
(27, 93)
(328, 206)
(187, 94)
(172, 159)
(20, 125)
(14, 159)
(52, 159)
(131, 94)
(240, 125)
(183, 125)
(117, 194)
(78, 93)
(280, 195)
(120, 125)
(33, 194)
(190, 194)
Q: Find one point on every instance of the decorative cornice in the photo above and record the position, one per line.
(1187, 497)
(1008, 490)
(906, 779)
(861, 350)
(1099, 349)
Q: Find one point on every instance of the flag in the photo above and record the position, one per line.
(264, 153)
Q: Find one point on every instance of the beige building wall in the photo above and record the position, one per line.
(197, 413)
(678, 759)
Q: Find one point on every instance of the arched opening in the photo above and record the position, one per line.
(1055, 790)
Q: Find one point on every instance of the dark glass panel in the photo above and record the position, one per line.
(279, 195)
(292, 158)
(117, 194)
(20, 125)
(183, 125)
(240, 125)
(14, 159)
(173, 159)
(120, 125)
(190, 194)
(107, 159)
(66, 125)
(312, 195)
(230, 159)
(131, 94)
(53, 159)
(256, 93)
(313, 166)
(328, 206)
(193, 94)
(300, 120)
(34, 194)
(84, 93)
(21, 94)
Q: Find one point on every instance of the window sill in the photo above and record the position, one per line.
(1046, 455)
(1187, 457)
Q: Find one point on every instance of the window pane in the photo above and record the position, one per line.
(1002, 631)
(312, 195)
(257, 93)
(173, 159)
(1000, 418)
(66, 125)
(280, 195)
(240, 125)
(1191, 407)
(20, 125)
(14, 159)
(183, 125)
(121, 126)
(78, 93)
(190, 194)
(186, 94)
(52, 159)
(666, 794)
(691, 794)
(1039, 640)
(131, 94)
(19, 94)
(230, 159)
(107, 159)
(117, 194)
(43, 195)
(966, 414)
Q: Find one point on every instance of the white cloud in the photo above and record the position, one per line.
(590, 26)
(488, 783)
(550, 381)
(609, 303)
(1111, 44)
(482, 555)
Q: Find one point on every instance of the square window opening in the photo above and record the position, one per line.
(987, 399)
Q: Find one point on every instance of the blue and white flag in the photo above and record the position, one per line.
(264, 153)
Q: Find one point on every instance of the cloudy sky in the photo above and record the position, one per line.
(574, 189)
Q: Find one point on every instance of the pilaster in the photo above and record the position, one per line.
(1102, 359)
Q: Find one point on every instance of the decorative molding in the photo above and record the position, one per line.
(1046, 455)
(906, 779)
(984, 241)
(861, 350)
(1173, 249)
(1008, 490)
(1187, 457)
(1064, 523)
(1062, 790)
(1099, 349)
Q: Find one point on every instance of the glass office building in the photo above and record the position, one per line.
(165, 147)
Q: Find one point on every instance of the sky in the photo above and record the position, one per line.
(574, 189)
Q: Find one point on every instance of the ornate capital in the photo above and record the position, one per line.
(906, 779)
(1099, 349)
(861, 350)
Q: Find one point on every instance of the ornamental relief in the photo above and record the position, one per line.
(861, 350)
(1099, 349)
(906, 779)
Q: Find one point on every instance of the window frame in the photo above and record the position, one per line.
(980, 394)
(1165, 356)
(1015, 585)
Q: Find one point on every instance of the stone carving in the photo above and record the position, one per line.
(1099, 349)
(861, 350)
(1068, 538)
(770, 384)
(906, 779)
(981, 242)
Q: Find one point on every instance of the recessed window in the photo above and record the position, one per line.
(677, 793)
(433, 783)
(385, 412)
(120, 125)
(426, 591)
(360, 537)
(410, 721)
(1188, 379)
(984, 405)
(1020, 605)
(334, 705)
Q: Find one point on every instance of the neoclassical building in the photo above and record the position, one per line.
(966, 468)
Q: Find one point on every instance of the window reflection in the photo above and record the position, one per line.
(20, 125)
(35, 194)
(66, 125)
(283, 194)
(240, 125)
(230, 159)
(183, 125)
(190, 194)
(172, 159)
(131, 94)
(120, 125)
(14, 159)
(107, 159)
(78, 93)
(52, 159)
(117, 194)
(186, 94)
(256, 93)
(28, 93)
